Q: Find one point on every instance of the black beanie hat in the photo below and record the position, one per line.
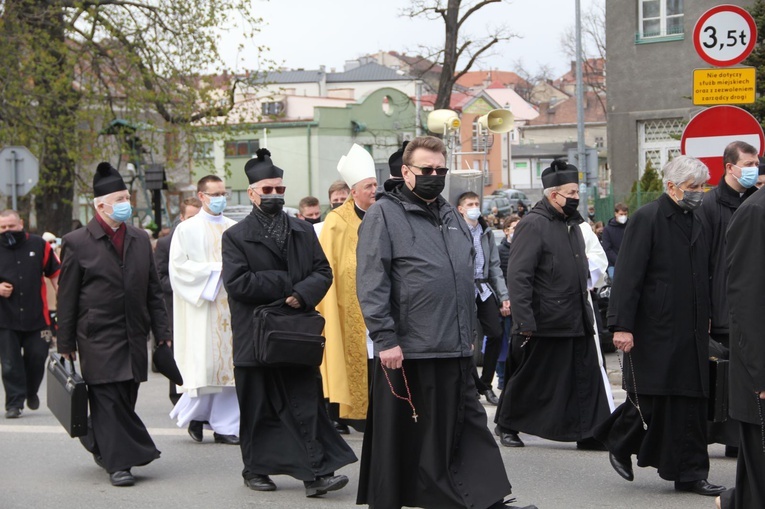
(396, 160)
(260, 167)
(559, 173)
(107, 180)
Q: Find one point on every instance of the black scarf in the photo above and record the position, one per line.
(276, 227)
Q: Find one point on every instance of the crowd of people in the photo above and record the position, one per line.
(409, 286)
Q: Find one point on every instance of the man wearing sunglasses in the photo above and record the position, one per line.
(426, 442)
(269, 257)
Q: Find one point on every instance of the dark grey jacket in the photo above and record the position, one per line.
(415, 278)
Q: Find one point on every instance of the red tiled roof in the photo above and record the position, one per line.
(564, 112)
(506, 79)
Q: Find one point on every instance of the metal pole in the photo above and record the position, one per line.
(14, 183)
(417, 107)
(582, 163)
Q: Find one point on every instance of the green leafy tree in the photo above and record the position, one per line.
(69, 68)
(647, 189)
(757, 60)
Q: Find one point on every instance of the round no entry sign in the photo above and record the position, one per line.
(725, 35)
(711, 130)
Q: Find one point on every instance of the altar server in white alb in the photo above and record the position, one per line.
(202, 320)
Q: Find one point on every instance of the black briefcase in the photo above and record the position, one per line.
(67, 396)
(718, 390)
(284, 336)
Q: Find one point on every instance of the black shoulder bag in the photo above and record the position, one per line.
(285, 336)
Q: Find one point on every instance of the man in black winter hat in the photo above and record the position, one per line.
(556, 390)
(109, 298)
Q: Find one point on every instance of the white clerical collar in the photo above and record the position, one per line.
(209, 217)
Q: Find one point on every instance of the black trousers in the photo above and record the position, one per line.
(23, 355)
(749, 492)
(115, 432)
(491, 324)
(675, 442)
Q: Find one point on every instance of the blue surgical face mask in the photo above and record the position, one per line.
(217, 204)
(473, 214)
(121, 211)
(748, 175)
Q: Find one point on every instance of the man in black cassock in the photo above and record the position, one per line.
(109, 298)
(746, 301)
(659, 313)
(736, 185)
(556, 389)
(426, 443)
(284, 426)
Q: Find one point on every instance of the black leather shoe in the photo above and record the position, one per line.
(13, 413)
(700, 487)
(324, 484)
(226, 439)
(508, 439)
(33, 402)
(490, 397)
(623, 467)
(260, 483)
(504, 504)
(122, 478)
(341, 428)
(195, 430)
(590, 444)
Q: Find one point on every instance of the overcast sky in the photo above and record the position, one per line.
(307, 33)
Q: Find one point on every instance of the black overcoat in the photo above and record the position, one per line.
(661, 294)
(715, 213)
(107, 305)
(256, 273)
(746, 298)
(547, 275)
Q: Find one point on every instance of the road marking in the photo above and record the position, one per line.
(6, 428)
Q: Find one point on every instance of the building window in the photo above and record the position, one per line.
(660, 19)
(659, 142)
(273, 108)
(482, 139)
(203, 150)
(599, 142)
(243, 148)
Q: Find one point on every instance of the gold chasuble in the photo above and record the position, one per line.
(344, 369)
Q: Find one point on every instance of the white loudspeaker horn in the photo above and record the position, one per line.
(440, 121)
(497, 121)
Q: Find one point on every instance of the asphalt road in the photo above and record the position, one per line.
(41, 467)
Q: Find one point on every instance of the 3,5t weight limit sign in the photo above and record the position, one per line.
(725, 35)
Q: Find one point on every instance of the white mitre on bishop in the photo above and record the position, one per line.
(356, 166)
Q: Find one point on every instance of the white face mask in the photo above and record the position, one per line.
(621, 219)
(473, 214)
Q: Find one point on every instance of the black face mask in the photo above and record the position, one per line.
(272, 204)
(336, 205)
(428, 187)
(313, 220)
(11, 238)
(571, 206)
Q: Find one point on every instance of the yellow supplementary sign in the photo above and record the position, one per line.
(734, 85)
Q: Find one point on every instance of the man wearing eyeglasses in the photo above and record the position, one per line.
(202, 320)
(269, 257)
(556, 390)
(426, 442)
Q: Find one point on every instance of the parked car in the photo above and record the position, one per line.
(502, 204)
(514, 196)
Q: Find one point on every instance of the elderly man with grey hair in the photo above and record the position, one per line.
(659, 313)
